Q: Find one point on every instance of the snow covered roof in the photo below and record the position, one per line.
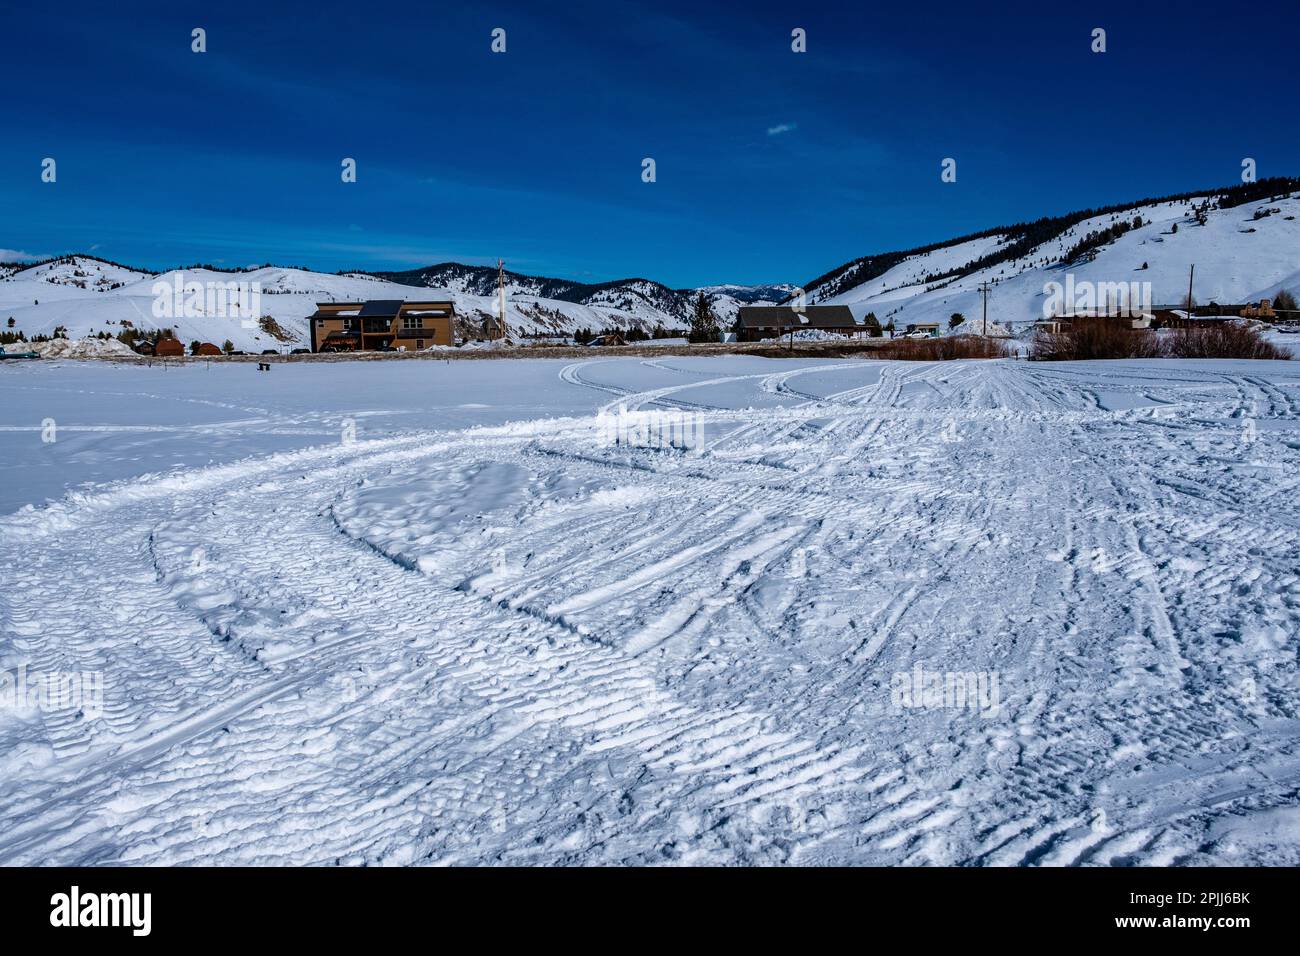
(1218, 317)
(382, 309)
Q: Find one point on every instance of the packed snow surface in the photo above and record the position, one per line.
(425, 612)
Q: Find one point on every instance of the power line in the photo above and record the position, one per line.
(501, 294)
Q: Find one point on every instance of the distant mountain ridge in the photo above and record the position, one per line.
(642, 301)
(640, 297)
(1244, 241)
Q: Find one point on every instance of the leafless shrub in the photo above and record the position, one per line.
(1100, 338)
(1222, 340)
(1094, 338)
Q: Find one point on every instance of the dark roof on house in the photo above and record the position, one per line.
(784, 317)
(380, 308)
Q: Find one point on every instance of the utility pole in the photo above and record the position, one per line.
(501, 295)
(984, 291)
(1190, 277)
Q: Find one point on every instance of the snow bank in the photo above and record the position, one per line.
(82, 348)
(993, 330)
(810, 335)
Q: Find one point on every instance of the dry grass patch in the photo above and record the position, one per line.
(943, 349)
(1104, 339)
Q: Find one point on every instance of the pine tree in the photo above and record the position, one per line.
(704, 326)
(872, 325)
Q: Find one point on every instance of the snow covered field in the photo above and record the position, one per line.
(417, 612)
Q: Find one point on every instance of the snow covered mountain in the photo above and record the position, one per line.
(650, 302)
(85, 296)
(1244, 242)
(82, 296)
(726, 300)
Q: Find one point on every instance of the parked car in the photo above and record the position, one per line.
(270, 351)
(300, 352)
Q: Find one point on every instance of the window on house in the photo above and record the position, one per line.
(412, 322)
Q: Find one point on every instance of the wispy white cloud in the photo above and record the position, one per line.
(13, 255)
(782, 128)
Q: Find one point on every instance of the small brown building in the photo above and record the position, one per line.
(381, 324)
(163, 347)
(207, 348)
(757, 322)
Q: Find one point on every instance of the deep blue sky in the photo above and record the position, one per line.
(772, 166)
